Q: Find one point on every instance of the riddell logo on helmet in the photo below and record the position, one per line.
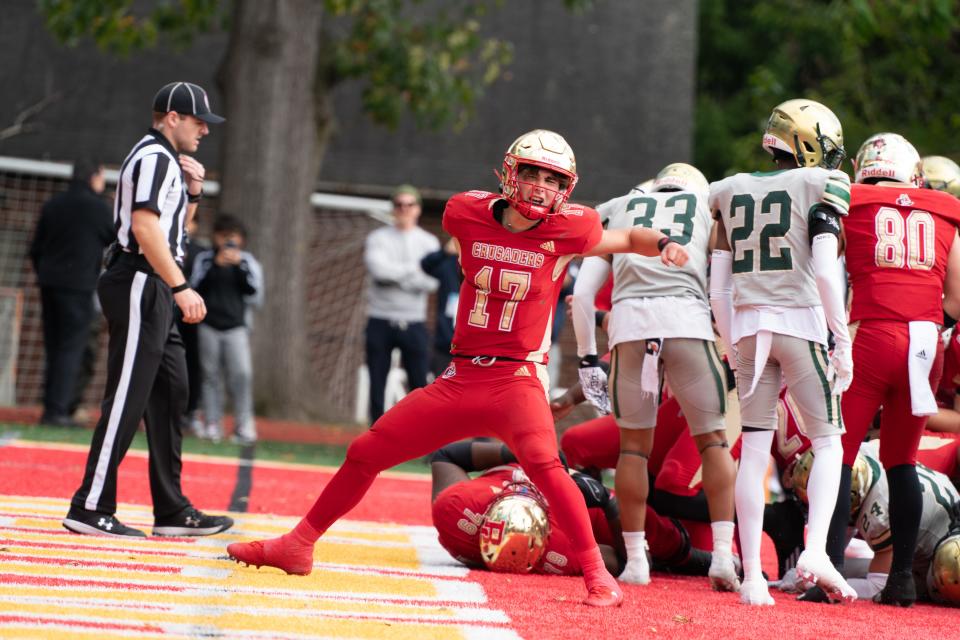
(877, 172)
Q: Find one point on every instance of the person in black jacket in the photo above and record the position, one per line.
(74, 228)
(444, 265)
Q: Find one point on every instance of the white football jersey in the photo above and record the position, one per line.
(941, 511)
(765, 216)
(682, 215)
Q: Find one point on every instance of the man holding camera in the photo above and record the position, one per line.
(231, 283)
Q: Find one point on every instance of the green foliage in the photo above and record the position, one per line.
(432, 60)
(881, 65)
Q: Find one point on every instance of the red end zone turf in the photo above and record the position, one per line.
(538, 606)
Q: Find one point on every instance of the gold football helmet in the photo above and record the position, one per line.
(889, 156)
(943, 580)
(942, 174)
(539, 148)
(808, 131)
(515, 529)
(682, 176)
(861, 480)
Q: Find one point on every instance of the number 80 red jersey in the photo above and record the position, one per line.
(897, 246)
(512, 280)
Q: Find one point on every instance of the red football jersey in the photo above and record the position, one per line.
(458, 515)
(950, 380)
(512, 280)
(897, 246)
(790, 441)
(939, 451)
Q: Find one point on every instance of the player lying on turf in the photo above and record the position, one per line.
(473, 522)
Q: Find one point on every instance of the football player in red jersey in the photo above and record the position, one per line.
(902, 257)
(514, 251)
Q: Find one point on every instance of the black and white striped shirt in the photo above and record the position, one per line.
(151, 178)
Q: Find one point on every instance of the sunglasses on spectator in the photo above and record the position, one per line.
(404, 205)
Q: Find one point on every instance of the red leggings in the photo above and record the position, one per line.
(880, 351)
(505, 400)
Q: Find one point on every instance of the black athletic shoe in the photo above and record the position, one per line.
(900, 591)
(815, 594)
(98, 524)
(191, 522)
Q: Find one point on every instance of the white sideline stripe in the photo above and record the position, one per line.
(456, 592)
(456, 614)
(129, 355)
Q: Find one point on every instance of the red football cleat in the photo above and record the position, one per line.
(282, 553)
(601, 595)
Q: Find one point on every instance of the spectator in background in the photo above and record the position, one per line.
(74, 228)
(444, 265)
(397, 297)
(230, 281)
(191, 340)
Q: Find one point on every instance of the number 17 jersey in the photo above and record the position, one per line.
(898, 240)
(765, 216)
(511, 281)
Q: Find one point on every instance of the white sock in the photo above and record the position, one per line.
(822, 489)
(749, 494)
(722, 537)
(636, 544)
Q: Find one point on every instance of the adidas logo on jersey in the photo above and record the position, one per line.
(904, 200)
(922, 354)
(522, 371)
(547, 246)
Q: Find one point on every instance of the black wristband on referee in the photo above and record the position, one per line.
(193, 199)
(180, 287)
(663, 242)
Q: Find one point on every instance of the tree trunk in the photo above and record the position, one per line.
(274, 137)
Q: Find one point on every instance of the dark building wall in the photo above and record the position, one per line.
(617, 81)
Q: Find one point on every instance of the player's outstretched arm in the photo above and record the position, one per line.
(829, 280)
(642, 241)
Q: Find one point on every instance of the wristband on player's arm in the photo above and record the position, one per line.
(589, 360)
(823, 219)
(663, 242)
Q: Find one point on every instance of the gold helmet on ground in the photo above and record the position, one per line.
(544, 149)
(888, 156)
(515, 529)
(860, 482)
(942, 174)
(808, 131)
(682, 176)
(943, 579)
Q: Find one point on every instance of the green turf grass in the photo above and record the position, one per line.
(330, 455)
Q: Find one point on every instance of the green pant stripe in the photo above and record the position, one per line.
(712, 358)
(823, 378)
(612, 382)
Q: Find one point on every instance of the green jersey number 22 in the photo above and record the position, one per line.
(770, 230)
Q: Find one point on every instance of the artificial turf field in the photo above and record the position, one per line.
(379, 573)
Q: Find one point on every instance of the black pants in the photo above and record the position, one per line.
(146, 378)
(382, 337)
(67, 315)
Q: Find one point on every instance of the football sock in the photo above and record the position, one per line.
(635, 542)
(749, 492)
(341, 494)
(722, 537)
(822, 489)
(594, 571)
(304, 533)
(906, 508)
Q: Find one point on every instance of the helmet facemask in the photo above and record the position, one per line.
(544, 150)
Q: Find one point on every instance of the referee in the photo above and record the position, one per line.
(157, 194)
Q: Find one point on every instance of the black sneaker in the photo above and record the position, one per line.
(900, 590)
(191, 522)
(815, 594)
(98, 524)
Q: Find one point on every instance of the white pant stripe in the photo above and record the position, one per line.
(120, 396)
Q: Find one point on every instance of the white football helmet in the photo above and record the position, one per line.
(680, 176)
(889, 156)
(942, 174)
(643, 187)
(539, 148)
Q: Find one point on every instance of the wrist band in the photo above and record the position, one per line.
(193, 199)
(179, 288)
(663, 242)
